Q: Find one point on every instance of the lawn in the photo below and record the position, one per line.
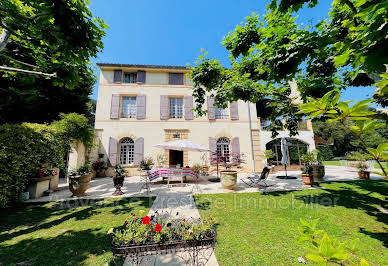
(64, 233)
(337, 163)
(262, 228)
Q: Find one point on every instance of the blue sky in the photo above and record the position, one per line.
(172, 32)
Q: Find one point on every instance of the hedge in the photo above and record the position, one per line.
(26, 148)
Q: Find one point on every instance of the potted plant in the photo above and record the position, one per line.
(269, 155)
(362, 170)
(196, 168)
(80, 180)
(314, 161)
(100, 168)
(146, 163)
(152, 235)
(228, 176)
(118, 180)
(307, 175)
(205, 166)
(160, 160)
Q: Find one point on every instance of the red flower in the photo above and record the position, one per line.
(191, 233)
(210, 218)
(158, 228)
(145, 220)
(184, 220)
(42, 173)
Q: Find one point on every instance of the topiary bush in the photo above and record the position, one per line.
(24, 149)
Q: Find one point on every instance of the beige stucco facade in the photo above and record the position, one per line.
(155, 131)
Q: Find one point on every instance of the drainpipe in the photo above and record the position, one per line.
(250, 133)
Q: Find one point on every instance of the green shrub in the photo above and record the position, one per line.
(75, 127)
(24, 149)
(325, 152)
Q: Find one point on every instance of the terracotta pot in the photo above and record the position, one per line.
(307, 179)
(79, 184)
(228, 179)
(364, 174)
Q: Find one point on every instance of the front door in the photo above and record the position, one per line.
(175, 158)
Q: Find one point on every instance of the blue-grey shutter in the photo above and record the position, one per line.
(138, 151)
(112, 151)
(115, 106)
(117, 76)
(175, 78)
(211, 110)
(141, 106)
(236, 146)
(164, 112)
(141, 76)
(189, 114)
(234, 111)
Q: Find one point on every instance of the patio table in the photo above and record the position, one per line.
(156, 173)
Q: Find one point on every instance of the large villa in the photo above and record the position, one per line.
(140, 106)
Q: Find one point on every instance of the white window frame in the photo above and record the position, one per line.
(132, 77)
(221, 113)
(128, 107)
(175, 107)
(223, 148)
(127, 151)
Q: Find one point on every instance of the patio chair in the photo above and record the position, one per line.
(254, 181)
(175, 174)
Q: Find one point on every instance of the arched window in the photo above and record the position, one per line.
(127, 151)
(223, 148)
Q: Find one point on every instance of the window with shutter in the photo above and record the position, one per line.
(130, 77)
(127, 151)
(175, 78)
(221, 113)
(223, 149)
(128, 107)
(176, 107)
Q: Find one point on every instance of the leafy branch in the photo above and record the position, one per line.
(331, 108)
(325, 249)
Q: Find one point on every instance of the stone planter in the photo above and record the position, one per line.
(118, 183)
(55, 180)
(79, 184)
(364, 174)
(307, 180)
(37, 186)
(228, 179)
(318, 172)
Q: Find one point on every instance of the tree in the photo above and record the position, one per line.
(53, 40)
(267, 54)
(343, 142)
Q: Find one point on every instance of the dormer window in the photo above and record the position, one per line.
(130, 77)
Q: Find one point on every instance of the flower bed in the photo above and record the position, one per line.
(159, 234)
